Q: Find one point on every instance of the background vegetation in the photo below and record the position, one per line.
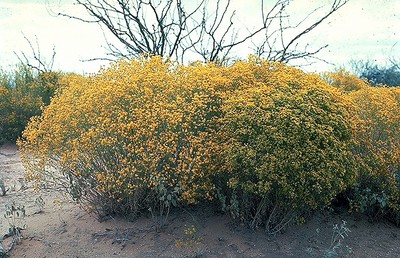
(23, 93)
(388, 75)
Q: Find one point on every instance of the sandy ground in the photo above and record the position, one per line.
(67, 231)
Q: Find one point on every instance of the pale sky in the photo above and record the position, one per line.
(362, 29)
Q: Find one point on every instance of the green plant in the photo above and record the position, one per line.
(165, 200)
(3, 253)
(339, 233)
(15, 216)
(3, 190)
(39, 202)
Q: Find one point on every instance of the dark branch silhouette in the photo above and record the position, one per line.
(208, 29)
(276, 47)
(39, 63)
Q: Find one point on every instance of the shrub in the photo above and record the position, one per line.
(378, 148)
(22, 95)
(134, 137)
(286, 145)
(344, 81)
(377, 145)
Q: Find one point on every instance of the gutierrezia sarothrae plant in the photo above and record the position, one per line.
(344, 81)
(377, 145)
(135, 134)
(378, 148)
(286, 145)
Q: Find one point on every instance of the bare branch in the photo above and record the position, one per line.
(41, 66)
(169, 28)
(287, 50)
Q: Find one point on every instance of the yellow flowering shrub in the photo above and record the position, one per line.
(135, 136)
(286, 145)
(378, 147)
(344, 81)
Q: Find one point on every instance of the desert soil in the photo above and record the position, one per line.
(65, 230)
